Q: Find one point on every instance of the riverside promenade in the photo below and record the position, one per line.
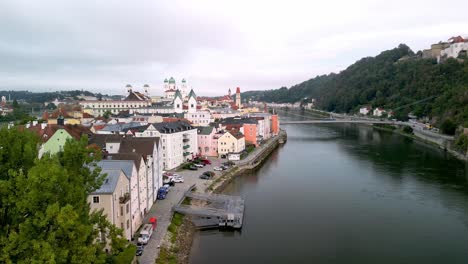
(162, 209)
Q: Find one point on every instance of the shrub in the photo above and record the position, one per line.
(408, 130)
(448, 127)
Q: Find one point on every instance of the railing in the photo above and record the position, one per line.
(186, 146)
(185, 140)
(186, 153)
(125, 198)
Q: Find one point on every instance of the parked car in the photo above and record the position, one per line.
(199, 165)
(209, 173)
(218, 169)
(145, 234)
(192, 167)
(139, 250)
(204, 177)
(162, 193)
(178, 179)
(206, 162)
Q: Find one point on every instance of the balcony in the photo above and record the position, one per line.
(125, 198)
(185, 140)
(186, 146)
(186, 153)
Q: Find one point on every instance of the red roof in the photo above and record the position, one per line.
(174, 119)
(457, 39)
(237, 90)
(86, 115)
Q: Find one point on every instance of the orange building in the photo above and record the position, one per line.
(250, 133)
(274, 125)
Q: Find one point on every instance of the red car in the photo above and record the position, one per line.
(206, 162)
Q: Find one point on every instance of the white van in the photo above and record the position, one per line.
(145, 234)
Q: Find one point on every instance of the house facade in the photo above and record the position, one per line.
(113, 198)
(231, 142)
(207, 142)
(130, 170)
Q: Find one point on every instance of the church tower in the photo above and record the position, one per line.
(229, 92)
(166, 84)
(129, 88)
(192, 102)
(178, 102)
(146, 88)
(183, 88)
(238, 98)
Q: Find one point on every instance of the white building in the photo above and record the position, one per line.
(365, 110)
(199, 118)
(378, 111)
(457, 44)
(179, 142)
(133, 103)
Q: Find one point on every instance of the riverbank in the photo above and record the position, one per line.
(416, 136)
(176, 245)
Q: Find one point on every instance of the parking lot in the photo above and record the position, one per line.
(162, 209)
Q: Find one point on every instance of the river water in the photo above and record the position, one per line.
(347, 194)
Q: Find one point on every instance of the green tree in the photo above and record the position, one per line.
(448, 127)
(44, 212)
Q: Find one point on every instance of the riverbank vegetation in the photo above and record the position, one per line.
(44, 213)
(420, 86)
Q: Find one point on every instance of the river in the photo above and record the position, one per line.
(347, 194)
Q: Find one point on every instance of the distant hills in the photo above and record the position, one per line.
(388, 80)
(41, 97)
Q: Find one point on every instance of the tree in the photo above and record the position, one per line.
(44, 212)
(448, 127)
(107, 114)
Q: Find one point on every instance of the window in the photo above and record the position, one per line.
(95, 199)
(121, 210)
(128, 224)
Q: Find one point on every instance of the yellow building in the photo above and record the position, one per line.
(231, 142)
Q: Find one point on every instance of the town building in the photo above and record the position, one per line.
(378, 111)
(134, 102)
(207, 141)
(365, 110)
(231, 142)
(113, 198)
(130, 170)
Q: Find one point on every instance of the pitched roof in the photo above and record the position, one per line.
(143, 146)
(76, 131)
(125, 165)
(192, 94)
(172, 127)
(135, 157)
(101, 139)
(135, 96)
(110, 183)
(205, 130)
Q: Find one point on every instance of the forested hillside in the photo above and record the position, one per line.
(383, 81)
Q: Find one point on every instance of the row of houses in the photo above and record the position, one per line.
(378, 111)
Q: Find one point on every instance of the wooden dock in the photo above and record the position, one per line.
(212, 210)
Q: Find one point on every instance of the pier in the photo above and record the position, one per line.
(212, 210)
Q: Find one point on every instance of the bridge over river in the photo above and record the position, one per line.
(342, 121)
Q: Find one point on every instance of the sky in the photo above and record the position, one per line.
(102, 46)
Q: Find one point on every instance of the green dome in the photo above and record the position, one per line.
(184, 81)
(171, 80)
(165, 80)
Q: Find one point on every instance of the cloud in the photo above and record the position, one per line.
(216, 45)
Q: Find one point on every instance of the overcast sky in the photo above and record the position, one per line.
(216, 45)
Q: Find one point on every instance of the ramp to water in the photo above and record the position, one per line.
(214, 210)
